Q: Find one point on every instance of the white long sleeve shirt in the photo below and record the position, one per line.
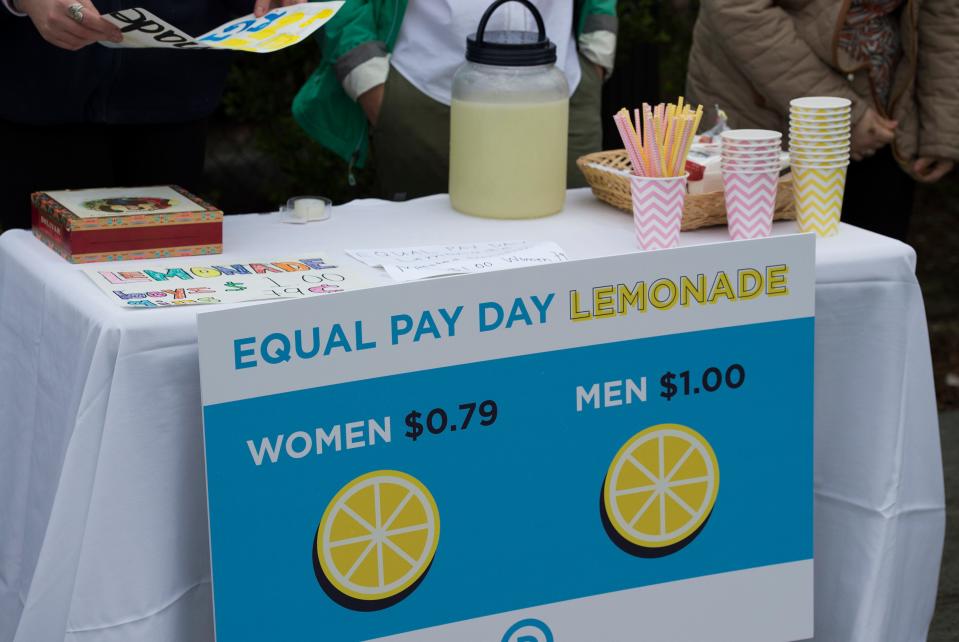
(431, 43)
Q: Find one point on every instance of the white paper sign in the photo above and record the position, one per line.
(277, 29)
(148, 285)
(411, 263)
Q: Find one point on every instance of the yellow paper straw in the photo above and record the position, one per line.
(658, 146)
(668, 135)
(694, 127)
(686, 140)
(669, 149)
(679, 142)
(699, 117)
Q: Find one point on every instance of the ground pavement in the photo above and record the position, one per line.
(945, 624)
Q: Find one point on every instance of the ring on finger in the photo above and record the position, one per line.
(75, 11)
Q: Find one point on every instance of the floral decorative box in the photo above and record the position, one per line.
(126, 223)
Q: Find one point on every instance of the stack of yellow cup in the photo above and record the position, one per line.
(819, 133)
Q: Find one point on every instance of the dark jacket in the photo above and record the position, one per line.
(43, 84)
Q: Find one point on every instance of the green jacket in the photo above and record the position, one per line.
(366, 29)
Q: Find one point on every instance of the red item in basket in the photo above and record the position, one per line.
(117, 224)
(696, 171)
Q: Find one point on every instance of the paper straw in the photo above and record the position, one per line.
(638, 140)
(656, 159)
(664, 148)
(639, 166)
(658, 125)
(629, 140)
(659, 144)
(636, 144)
(672, 126)
(661, 128)
(682, 146)
(699, 117)
(695, 117)
(648, 142)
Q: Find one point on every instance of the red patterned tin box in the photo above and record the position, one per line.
(124, 223)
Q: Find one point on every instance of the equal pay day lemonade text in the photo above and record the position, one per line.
(599, 302)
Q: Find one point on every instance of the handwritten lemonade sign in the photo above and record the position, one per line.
(150, 285)
(610, 450)
(277, 29)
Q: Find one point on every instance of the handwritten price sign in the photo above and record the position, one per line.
(276, 30)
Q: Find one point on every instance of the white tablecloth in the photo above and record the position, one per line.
(103, 531)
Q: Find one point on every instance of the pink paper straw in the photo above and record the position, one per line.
(629, 141)
(655, 159)
(647, 126)
(633, 160)
(637, 142)
(649, 140)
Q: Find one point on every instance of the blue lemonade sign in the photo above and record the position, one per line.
(613, 449)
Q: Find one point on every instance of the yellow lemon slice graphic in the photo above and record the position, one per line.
(660, 488)
(378, 536)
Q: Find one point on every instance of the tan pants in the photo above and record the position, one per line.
(411, 141)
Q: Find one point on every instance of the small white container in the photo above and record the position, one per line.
(306, 209)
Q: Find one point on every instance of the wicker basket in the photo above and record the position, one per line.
(702, 210)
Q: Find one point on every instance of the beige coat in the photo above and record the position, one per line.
(751, 57)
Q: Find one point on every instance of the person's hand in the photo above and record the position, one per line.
(871, 133)
(260, 7)
(371, 101)
(52, 19)
(930, 170)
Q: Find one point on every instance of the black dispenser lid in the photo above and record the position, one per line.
(510, 48)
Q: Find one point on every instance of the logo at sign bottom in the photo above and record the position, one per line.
(528, 630)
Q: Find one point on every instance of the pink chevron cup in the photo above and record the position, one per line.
(658, 210)
(750, 203)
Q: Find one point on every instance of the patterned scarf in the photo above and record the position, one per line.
(871, 35)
